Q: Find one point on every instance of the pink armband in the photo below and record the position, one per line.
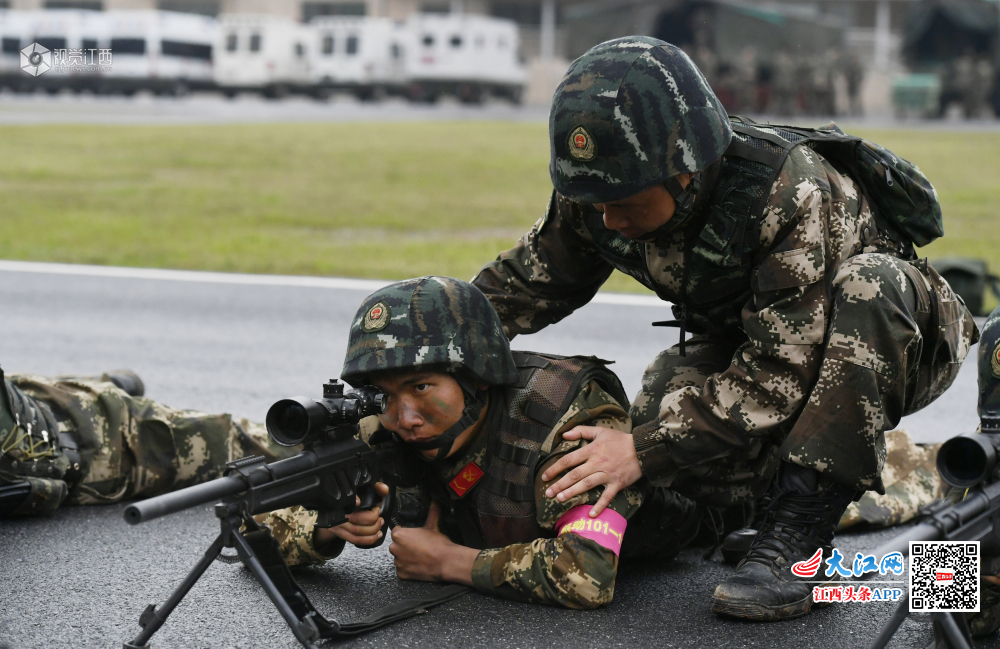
(607, 530)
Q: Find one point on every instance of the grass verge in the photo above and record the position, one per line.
(358, 200)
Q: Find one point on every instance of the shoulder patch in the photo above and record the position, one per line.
(466, 479)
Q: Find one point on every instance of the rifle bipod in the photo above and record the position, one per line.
(951, 630)
(259, 552)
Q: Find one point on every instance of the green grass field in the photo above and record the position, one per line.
(360, 200)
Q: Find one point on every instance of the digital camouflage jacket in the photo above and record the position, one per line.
(757, 280)
(565, 570)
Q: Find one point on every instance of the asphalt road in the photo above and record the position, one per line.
(238, 343)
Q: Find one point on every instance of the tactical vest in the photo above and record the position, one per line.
(520, 419)
(722, 243)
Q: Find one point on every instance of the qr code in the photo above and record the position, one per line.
(944, 576)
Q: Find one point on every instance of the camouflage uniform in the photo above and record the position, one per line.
(126, 446)
(836, 324)
(816, 330)
(451, 325)
(565, 570)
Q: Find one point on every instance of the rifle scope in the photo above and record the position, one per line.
(968, 460)
(301, 419)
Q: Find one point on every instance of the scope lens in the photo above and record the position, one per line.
(288, 422)
(962, 462)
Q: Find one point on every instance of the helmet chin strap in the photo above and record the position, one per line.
(684, 199)
(475, 400)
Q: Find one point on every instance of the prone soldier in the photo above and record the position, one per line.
(96, 440)
(486, 422)
(816, 327)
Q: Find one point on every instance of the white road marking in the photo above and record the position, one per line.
(198, 276)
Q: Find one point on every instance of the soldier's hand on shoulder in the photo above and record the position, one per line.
(609, 459)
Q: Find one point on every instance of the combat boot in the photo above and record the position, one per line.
(126, 380)
(737, 543)
(799, 520)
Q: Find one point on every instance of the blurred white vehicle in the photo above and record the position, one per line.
(359, 55)
(70, 39)
(16, 30)
(161, 51)
(463, 55)
(261, 53)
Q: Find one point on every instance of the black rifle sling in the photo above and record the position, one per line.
(267, 550)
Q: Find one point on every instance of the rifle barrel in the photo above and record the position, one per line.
(975, 503)
(921, 532)
(169, 503)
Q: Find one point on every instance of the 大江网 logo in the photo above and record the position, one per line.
(36, 59)
(810, 566)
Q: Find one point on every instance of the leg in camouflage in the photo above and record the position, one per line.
(896, 338)
(725, 502)
(720, 487)
(670, 372)
(135, 447)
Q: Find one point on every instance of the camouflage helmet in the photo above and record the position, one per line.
(629, 114)
(429, 322)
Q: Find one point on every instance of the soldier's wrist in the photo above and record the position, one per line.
(458, 564)
(654, 459)
(482, 571)
(656, 464)
(327, 547)
(646, 436)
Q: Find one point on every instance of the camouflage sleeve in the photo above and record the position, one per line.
(568, 570)
(553, 270)
(293, 528)
(810, 226)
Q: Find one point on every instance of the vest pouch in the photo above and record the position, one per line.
(948, 335)
(720, 238)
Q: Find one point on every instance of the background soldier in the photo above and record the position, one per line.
(816, 329)
(487, 422)
(96, 440)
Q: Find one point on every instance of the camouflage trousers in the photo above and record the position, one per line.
(895, 340)
(132, 446)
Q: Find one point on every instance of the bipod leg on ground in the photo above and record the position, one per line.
(890, 628)
(951, 630)
(152, 619)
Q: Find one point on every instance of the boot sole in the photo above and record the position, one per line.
(760, 612)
